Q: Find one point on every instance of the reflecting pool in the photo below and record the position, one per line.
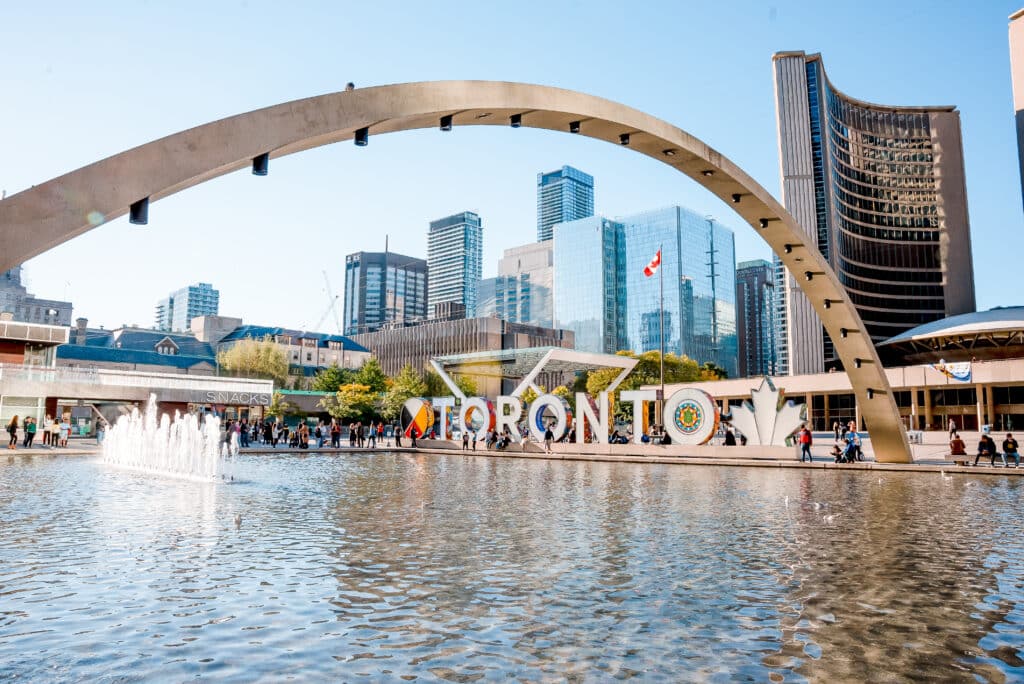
(405, 567)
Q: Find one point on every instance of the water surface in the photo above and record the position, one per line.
(402, 567)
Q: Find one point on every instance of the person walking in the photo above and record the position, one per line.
(952, 428)
(55, 433)
(371, 435)
(320, 429)
(1010, 450)
(549, 437)
(805, 440)
(12, 430)
(465, 440)
(101, 431)
(275, 434)
(836, 429)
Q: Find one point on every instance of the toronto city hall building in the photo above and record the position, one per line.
(603, 296)
(563, 195)
(383, 288)
(882, 191)
(175, 313)
(454, 261)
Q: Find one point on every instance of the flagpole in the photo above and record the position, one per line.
(661, 325)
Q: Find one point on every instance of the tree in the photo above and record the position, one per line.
(278, 406)
(567, 394)
(646, 372)
(406, 385)
(436, 387)
(353, 401)
(372, 375)
(331, 378)
(712, 371)
(255, 359)
(530, 395)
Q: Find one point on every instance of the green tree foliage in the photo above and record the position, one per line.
(331, 378)
(712, 371)
(278, 406)
(372, 375)
(530, 395)
(353, 401)
(436, 387)
(567, 394)
(255, 359)
(647, 372)
(406, 385)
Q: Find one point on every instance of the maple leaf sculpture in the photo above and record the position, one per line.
(763, 421)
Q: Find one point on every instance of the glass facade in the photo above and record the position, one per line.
(755, 320)
(383, 288)
(589, 264)
(521, 293)
(175, 313)
(562, 196)
(603, 296)
(454, 261)
(889, 201)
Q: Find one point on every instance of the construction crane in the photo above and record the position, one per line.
(332, 307)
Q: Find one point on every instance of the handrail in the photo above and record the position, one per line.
(116, 378)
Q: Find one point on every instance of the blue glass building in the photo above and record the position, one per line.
(603, 296)
(563, 195)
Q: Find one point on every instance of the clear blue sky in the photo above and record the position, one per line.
(82, 81)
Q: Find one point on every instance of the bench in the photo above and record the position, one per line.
(960, 459)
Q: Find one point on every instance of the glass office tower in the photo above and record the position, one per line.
(563, 195)
(881, 189)
(603, 296)
(454, 261)
(588, 282)
(383, 288)
(755, 290)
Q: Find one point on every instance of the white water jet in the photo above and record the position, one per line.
(182, 448)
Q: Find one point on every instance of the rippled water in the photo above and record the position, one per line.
(391, 567)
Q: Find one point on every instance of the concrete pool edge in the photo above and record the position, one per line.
(865, 466)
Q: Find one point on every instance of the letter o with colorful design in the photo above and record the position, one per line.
(418, 413)
(691, 416)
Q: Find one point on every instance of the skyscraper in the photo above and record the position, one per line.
(175, 313)
(1017, 78)
(563, 195)
(755, 288)
(454, 260)
(603, 296)
(383, 288)
(881, 189)
(521, 292)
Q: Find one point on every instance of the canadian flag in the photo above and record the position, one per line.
(652, 268)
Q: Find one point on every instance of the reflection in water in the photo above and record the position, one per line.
(464, 569)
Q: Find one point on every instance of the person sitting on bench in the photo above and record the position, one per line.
(1010, 450)
(987, 447)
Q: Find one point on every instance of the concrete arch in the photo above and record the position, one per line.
(49, 214)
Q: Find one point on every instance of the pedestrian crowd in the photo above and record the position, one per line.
(55, 432)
